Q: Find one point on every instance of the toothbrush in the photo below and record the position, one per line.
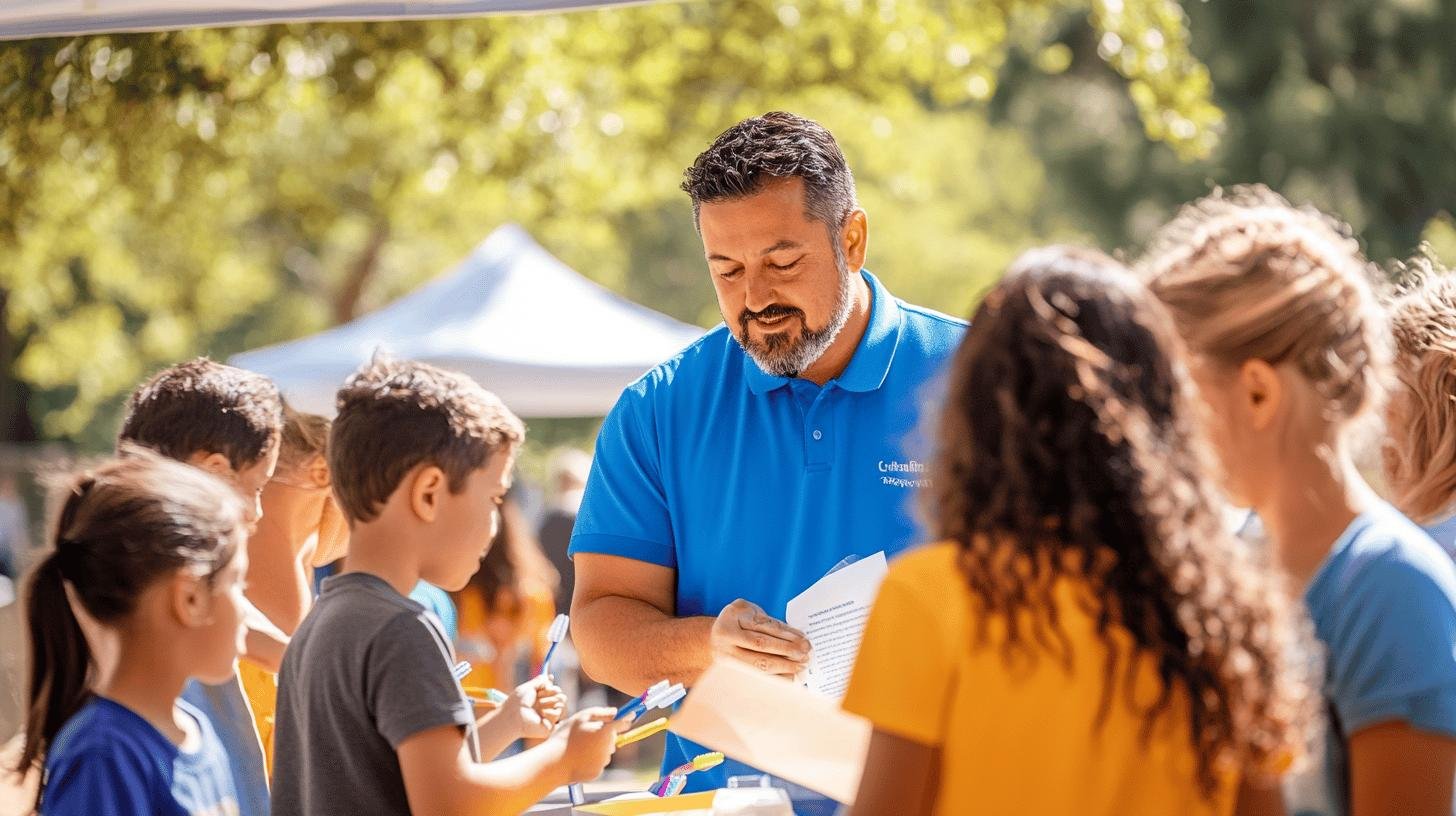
(673, 783)
(461, 670)
(556, 634)
(656, 697)
(657, 726)
(655, 688)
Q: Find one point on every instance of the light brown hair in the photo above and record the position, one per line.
(1420, 452)
(1248, 276)
(304, 436)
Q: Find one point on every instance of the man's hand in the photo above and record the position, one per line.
(745, 632)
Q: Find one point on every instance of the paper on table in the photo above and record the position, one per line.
(833, 613)
(778, 727)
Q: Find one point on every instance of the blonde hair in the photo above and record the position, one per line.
(304, 437)
(1420, 460)
(1248, 276)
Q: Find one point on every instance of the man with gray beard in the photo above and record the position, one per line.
(730, 478)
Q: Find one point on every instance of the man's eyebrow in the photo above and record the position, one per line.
(784, 244)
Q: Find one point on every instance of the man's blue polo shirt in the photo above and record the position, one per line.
(754, 486)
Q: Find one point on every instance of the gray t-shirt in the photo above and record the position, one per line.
(368, 669)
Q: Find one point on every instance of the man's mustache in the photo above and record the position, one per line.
(769, 313)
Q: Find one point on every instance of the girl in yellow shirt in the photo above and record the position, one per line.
(1086, 639)
(301, 527)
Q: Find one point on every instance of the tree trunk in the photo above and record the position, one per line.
(346, 302)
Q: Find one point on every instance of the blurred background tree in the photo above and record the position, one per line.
(209, 191)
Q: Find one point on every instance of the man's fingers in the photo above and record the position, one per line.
(767, 643)
(767, 663)
(763, 624)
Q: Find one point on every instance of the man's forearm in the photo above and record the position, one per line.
(629, 644)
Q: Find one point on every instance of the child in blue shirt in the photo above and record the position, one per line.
(1420, 446)
(1289, 349)
(154, 552)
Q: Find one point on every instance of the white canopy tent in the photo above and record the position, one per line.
(545, 339)
(22, 19)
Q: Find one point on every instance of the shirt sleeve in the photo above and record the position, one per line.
(409, 685)
(1392, 654)
(905, 672)
(98, 783)
(624, 510)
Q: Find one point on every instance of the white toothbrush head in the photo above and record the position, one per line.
(557, 633)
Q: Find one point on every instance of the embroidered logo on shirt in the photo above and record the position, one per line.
(903, 474)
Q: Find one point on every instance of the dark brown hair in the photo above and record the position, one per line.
(776, 145)
(1068, 449)
(121, 526)
(203, 406)
(395, 415)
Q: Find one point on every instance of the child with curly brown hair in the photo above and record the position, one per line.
(1085, 638)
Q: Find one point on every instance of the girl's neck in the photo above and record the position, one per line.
(146, 681)
(1317, 494)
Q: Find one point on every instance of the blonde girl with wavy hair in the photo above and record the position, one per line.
(1290, 348)
(1420, 445)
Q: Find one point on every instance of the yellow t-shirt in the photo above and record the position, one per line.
(1019, 735)
(261, 688)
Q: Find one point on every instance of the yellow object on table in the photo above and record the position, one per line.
(647, 805)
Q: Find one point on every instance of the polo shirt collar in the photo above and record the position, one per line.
(870, 364)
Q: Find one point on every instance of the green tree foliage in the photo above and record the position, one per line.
(207, 191)
(1349, 106)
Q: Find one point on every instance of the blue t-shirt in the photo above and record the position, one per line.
(754, 486)
(1444, 533)
(1384, 606)
(438, 601)
(226, 709)
(108, 761)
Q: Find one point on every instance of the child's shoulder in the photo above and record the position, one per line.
(1384, 563)
(935, 563)
(103, 728)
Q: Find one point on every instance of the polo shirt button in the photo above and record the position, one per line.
(818, 435)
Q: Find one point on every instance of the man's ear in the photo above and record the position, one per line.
(855, 240)
(426, 492)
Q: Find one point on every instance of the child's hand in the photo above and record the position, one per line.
(537, 705)
(588, 739)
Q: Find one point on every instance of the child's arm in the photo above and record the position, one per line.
(265, 642)
(441, 778)
(1397, 769)
(900, 777)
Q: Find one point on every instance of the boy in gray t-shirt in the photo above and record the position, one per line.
(377, 668)
(370, 719)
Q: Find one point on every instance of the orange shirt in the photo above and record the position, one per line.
(526, 627)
